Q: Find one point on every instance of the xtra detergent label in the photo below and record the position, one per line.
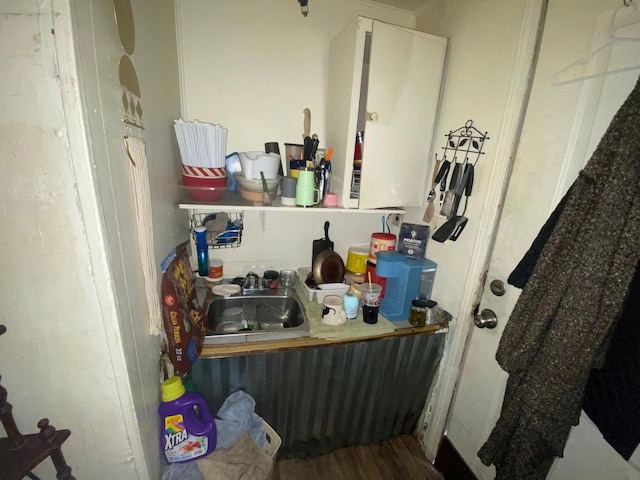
(179, 445)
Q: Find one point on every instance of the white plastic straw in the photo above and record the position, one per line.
(201, 144)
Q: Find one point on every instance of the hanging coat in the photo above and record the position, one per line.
(561, 323)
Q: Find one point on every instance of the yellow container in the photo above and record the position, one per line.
(357, 259)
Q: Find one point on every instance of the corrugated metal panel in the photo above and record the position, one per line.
(322, 399)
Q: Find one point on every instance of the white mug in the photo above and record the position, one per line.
(333, 310)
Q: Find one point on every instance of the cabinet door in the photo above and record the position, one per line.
(346, 60)
(403, 91)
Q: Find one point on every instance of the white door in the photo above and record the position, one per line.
(565, 119)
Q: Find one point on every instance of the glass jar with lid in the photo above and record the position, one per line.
(422, 313)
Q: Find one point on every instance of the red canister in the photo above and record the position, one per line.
(381, 242)
(375, 278)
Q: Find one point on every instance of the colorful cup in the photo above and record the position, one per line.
(330, 200)
(289, 190)
(307, 194)
(333, 310)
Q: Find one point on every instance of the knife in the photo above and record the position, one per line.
(307, 123)
(314, 145)
(306, 149)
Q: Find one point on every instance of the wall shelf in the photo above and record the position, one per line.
(277, 207)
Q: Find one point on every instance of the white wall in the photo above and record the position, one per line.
(78, 349)
(481, 57)
(254, 66)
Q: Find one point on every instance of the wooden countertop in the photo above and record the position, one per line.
(313, 313)
(254, 348)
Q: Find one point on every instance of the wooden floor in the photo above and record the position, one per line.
(399, 458)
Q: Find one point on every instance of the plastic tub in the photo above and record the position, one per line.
(273, 440)
(189, 194)
(205, 184)
(357, 258)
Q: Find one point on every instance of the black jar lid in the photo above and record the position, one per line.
(420, 303)
(423, 303)
(271, 274)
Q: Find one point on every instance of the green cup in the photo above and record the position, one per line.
(307, 195)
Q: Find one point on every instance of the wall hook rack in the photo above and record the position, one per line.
(465, 146)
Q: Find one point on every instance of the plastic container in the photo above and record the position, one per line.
(351, 304)
(372, 274)
(330, 289)
(187, 427)
(203, 251)
(202, 195)
(253, 163)
(270, 279)
(381, 242)
(273, 445)
(288, 278)
(216, 268)
(205, 184)
(357, 259)
(273, 440)
(370, 296)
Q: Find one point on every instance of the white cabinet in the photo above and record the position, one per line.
(383, 80)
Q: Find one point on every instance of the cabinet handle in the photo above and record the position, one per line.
(372, 116)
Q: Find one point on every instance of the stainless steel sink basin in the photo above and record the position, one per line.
(253, 318)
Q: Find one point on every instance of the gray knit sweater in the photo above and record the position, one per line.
(560, 325)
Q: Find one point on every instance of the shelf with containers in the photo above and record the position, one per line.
(192, 199)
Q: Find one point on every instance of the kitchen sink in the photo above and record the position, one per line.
(253, 318)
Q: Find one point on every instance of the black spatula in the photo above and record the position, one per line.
(452, 228)
(443, 233)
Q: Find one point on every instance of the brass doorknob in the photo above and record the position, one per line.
(486, 319)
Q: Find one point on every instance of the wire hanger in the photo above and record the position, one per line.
(603, 52)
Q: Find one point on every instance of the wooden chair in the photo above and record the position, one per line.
(19, 454)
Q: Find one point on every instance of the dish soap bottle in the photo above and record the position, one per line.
(188, 430)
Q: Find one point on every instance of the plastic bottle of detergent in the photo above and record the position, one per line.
(188, 430)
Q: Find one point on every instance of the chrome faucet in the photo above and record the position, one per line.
(252, 285)
(251, 280)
